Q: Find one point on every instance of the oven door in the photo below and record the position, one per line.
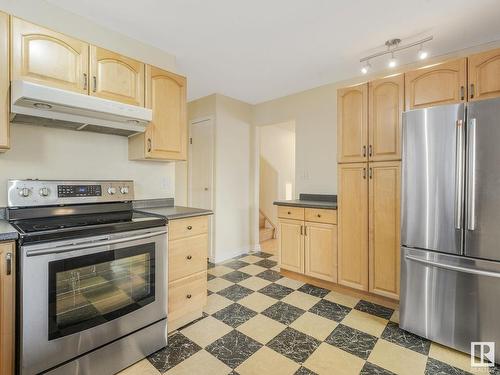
(81, 294)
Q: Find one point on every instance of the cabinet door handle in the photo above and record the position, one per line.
(94, 83)
(305, 230)
(189, 227)
(301, 230)
(188, 296)
(149, 144)
(364, 173)
(370, 173)
(85, 80)
(462, 93)
(471, 90)
(370, 150)
(189, 257)
(364, 151)
(8, 261)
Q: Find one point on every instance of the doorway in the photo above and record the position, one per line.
(201, 171)
(276, 178)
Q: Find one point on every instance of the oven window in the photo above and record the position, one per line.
(93, 289)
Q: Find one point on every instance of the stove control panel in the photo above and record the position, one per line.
(29, 193)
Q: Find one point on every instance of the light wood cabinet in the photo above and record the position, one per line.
(439, 84)
(321, 251)
(4, 83)
(187, 270)
(46, 57)
(308, 247)
(353, 225)
(384, 228)
(291, 245)
(7, 307)
(386, 106)
(484, 75)
(166, 136)
(116, 77)
(352, 123)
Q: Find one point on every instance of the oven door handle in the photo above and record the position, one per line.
(86, 245)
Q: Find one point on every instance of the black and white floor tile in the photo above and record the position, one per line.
(258, 322)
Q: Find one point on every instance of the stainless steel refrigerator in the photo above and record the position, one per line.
(450, 224)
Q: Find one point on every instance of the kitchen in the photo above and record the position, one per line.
(98, 189)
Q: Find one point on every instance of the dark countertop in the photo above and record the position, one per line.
(176, 212)
(7, 231)
(311, 201)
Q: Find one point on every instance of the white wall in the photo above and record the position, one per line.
(38, 152)
(277, 166)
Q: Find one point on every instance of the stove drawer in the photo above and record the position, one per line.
(187, 256)
(191, 226)
(187, 296)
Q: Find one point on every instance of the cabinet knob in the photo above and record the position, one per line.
(319, 215)
(188, 296)
(289, 213)
(189, 257)
(189, 227)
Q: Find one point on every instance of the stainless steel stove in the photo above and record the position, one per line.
(92, 279)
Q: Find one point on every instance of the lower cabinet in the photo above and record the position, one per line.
(369, 227)
(7, 307)
(187, 270)
(309, 247)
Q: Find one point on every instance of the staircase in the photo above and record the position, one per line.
(267, 230)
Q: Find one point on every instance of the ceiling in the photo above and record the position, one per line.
(257, 50)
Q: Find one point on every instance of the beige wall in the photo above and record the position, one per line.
(44, 153)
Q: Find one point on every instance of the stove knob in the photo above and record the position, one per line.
(111, 190)
(124, 190)
(44, 192)
(24, 192)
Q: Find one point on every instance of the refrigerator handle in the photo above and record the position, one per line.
(453, 267)
(459, 167)
(471, 175)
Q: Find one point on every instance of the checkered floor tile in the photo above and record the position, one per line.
(258, 322)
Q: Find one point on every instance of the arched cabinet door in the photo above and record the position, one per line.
(166, 136)
(116, 77)
(484, 75)
(49, 58)
(436, 85)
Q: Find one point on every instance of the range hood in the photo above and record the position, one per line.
(47, 106)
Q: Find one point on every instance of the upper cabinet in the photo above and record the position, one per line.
(166, 135)
(116, 77)
(484, 75)
(436, 85)
(352, 123)
(43, 56)
(4, 83)
(386, 105)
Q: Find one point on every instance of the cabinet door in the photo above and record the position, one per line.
(7, 307)
(484, 75)
(291, 245)
(116, 77)
(321, 251)
(166, 136)
(43, 56)
(352, 123)
(4, 83)
(386, 105)
(436, 85)
(384, 228)
(353, 226)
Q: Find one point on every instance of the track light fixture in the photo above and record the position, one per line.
(393, 46)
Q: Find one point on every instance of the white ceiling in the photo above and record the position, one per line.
(256, 50)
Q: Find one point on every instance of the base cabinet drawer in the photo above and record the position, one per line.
(186, 296)
(287, 212)
(321, 215)
(187, 256)
(191, 226)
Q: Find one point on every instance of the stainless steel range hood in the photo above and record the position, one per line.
(47, 106)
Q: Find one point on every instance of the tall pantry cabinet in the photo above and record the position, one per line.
(369, 156)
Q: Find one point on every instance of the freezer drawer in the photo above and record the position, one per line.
(449, 299)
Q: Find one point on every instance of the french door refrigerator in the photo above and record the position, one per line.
(450, 224)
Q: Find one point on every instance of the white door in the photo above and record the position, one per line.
(201, 169)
